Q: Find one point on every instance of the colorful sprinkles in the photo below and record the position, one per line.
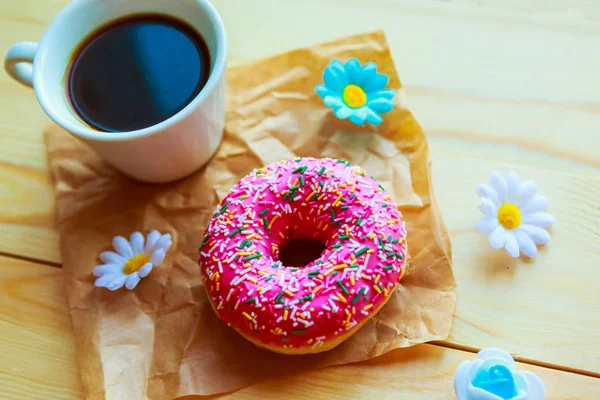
(327, 200)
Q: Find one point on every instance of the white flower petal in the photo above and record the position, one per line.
(498, 183)
(488, 208)
(512, 247)
(137, 243)
(164, 242)
(513, 184)
(535, 386)
(475, 393)
(117, 283)
(112, 257)
(123, 247)
(486, 191)
(486, 225)
(526, 193)
(107, 280)
(132, 281)
(107, 269)
(157, 257)
(539, 219)
(151, 241)
(538, 235)
(461, 379)
(526, 244)
(539, 203)
(497, 238)
(145, 270)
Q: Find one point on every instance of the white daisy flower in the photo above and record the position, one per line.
(514, 217)
(132, 261)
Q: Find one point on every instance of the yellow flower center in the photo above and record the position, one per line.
(354, 96)
(135, 263)
(509, 216)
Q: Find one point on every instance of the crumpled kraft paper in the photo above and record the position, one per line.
(162, 340)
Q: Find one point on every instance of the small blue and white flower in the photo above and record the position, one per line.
(493, 375)
(356, 92)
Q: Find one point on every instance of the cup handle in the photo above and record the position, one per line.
(19, 62)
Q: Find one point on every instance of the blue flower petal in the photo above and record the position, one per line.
(369, 68)
(496, 379)
(373, 117)
(335, 76)
(384, 93)
(367, 74)
(375, 82)
(355, 119)
(334, 102)
(359, 116)
(381, 105)
(353, 70)
(323, 91)
(344, 112)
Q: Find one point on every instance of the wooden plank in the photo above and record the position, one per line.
(437, 95)
(36, 339)
(27, 219)
(491, 94)
(481, 81)
(546, 309)
(38, 356)
(421, 372)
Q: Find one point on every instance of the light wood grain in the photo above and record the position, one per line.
(27, 226)
(547, 309)
(420, 372)
(37, 344)
(38, 356)
(27, 219)
(509, 85)
(475, 71)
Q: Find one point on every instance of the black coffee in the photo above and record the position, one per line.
(137, 72)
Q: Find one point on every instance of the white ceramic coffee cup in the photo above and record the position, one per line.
(163, 152)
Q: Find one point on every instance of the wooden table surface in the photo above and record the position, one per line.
(497, 85)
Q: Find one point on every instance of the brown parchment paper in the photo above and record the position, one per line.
(162, 340)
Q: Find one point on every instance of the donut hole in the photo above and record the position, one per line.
(299, 252)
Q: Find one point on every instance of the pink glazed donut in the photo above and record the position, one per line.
(315, 307)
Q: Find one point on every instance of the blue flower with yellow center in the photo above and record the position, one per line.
(356, 92)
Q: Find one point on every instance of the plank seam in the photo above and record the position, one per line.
(524, 360)
(31, 259)
(446, 344)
